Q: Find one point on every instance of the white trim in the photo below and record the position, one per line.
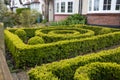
(113, 7)
(66, 6)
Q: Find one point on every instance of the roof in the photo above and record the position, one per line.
(27, 3)
(35, 1)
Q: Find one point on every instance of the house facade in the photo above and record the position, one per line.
(104, 12)
(60, 9)
(37, 5)
(98, 12)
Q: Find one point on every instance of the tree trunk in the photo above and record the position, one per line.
(20, 1)
(47, 9)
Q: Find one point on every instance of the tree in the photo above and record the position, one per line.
(20, 1)
(7, 2)
(46, 9)
(3, 10)
(27, 17)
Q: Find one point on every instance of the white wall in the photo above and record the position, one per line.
(51, 13)
(37, 6)
(76, 6)
(85, 7)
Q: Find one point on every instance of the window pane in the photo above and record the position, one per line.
(105, 1)
(57, 7)
(109, 1)
(104, 7)
(62, 6)
(118, 5)
(107, 5)
(96, 5)
(90, 5)
(70, 6)
(118, 2)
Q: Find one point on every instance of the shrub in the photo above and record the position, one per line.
(19, 10)
(98, 71)
(35, 40)
(76, 19)
(28, 18)
(31, 55)
(73, 19)
(21, 33)
(61, 33)
(65, 69)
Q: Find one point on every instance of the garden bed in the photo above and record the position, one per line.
(30, 55)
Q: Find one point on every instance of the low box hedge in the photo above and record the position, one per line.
(50, 35)
(31, 55)
(65, 69)
(98, 71)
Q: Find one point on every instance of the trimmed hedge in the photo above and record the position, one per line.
(21, 33)
(54, 34)
(65, 69)
(98, 71)
(97, 30)
(35, 40)
(31, 55)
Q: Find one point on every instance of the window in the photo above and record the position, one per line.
(118, 5)
(107, 5)
(62, 6)
(57, 10)
(96, 5)
(90, 5)
(70, 7)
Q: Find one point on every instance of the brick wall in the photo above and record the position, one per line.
(104, 19)
(59, 17)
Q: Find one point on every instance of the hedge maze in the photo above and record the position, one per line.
(44, 45)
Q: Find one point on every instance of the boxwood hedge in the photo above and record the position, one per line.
(31, 55)
(57, 34)
(65, 69)
(98, 71)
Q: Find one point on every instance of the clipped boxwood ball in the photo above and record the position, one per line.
(35, 40)
(21, 33)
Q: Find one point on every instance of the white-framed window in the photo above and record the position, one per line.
(70, 7)
(64, 6)
(96, 5)
(107, 5)
(117, 5)
(90, 5)
(104, 6)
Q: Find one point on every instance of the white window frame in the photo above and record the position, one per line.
(66, 6)
(112, 10)
(117, 5)
(70, 7)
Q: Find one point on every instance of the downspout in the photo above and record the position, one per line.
(53, 10)
(80, 7)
